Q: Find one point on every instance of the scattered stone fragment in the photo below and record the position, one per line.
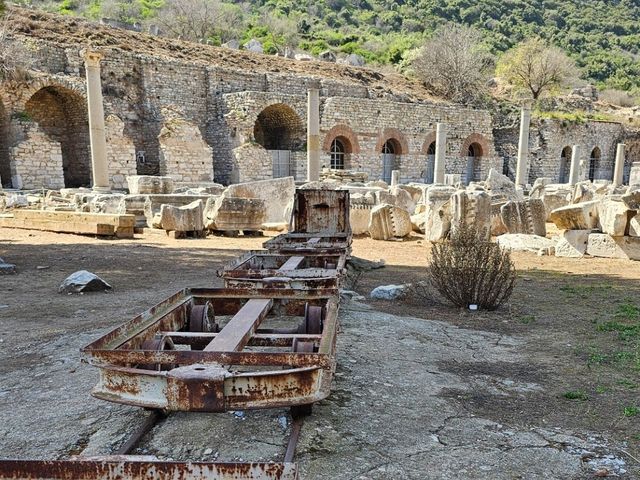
(388, 221)
(573, 243)
(634, 226)
(603, 245)
(523, 242)
(613, 217)
(579, 216)
(388, 292)
(188, 218)
(472, 207)
(7, 268)
(527, 216)
(149, 184)
(83, 281)
(632, 200)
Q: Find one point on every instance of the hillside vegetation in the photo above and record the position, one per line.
(603, 37)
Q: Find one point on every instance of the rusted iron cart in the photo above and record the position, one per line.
(301, 243)
(259, 269)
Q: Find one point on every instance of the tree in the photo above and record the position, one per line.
(536, 67)
(454, 63)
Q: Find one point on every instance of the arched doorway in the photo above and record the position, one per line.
(594, 164)
(280, 130)
(391, 150)
(431, 163)
(5, 165)
(565, 165)
(62, 114)
(474, 158)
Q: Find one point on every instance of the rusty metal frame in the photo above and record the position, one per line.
(284, 270)
(339, 243)
(210, 380)
(321, 211)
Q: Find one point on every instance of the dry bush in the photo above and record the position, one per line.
(617, 97)
(14, 57)
(468, 270)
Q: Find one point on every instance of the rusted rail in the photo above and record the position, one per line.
(257, 345)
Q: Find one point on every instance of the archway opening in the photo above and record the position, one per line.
(594, 164)
(391, 150)
(5, 165)
(565, 165)
(340, 153)
(431, 163)
(62, 115)
(474, 164)
(280, 130)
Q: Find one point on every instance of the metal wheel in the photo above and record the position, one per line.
(157, 344)
(202, 319)
(313, 319)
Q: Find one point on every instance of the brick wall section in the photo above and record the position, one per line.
(36, 158)
(121, 153)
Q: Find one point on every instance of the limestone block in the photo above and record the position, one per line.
(388, 221)
(497, 225)
(539, 187)
(153, 203)
(355, 60)
(573, 243)
(397, 197)
(327, 56)
(278, 195)
(500, 185)
(472, 208)
(378, 183)
(524, 242)
(83, 281)
(388, 292)
(149, 184)
(613, 217)
(632, 199)
(528, 216)
(438, 212)
(108, 203)
(254, 46)
(359, 215)
(603, 245)
(417, 192)
(419, 222)
(634, 226)
(188, 218)
(230, 214)
(554, 198)
(634, 174)
(579, 216)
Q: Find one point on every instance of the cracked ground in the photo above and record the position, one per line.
(421, 391)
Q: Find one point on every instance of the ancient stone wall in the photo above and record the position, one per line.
(121, 153)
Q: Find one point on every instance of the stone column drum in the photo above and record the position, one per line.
(313, 134)
(441, 148)
(574, 173)
(99, 166)
(618, 172)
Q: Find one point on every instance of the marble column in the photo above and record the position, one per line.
(523, 146)
(441, 149)
(618, 171)
(313, 134)
(574, 173)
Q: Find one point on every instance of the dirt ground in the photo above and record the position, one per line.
(534, 390)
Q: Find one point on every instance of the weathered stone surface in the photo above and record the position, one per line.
(7, 268)
(83, 281)
(634, 226)
(523, 242)
(603, 245)
(230, 214)
(108, 203)
(472, 208)
(579, 216)
(500, 185)
(277, 194)
(632, 199)
(573, 243)
(497, 225)
(359, 217)
(397, 197)
(554, 198)
(188, 218)
(634, 174)
(613, 217)
(388, 221)
(438, 212)
(419, 222)
(528, 216)
(149, 184)
(153, 203)
(388, 292)
(254, 46)
(327, 56)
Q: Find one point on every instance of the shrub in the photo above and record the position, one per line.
(466, 269)
(617, 97)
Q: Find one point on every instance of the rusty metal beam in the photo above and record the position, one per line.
(291, 264)
(235, 334)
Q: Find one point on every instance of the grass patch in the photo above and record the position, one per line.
(585, 291)
(628, 384)
(600, 389)
(527, 319)
(631, 411)
(576, 395)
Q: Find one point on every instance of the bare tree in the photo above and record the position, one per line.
(454, 63)
(536, 67)
(199, 20)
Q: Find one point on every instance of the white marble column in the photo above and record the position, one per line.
(441, 149)
(574, 173)
(99, 166)
(313, 134)
(395, 177)
(618, 171)
(523, 145)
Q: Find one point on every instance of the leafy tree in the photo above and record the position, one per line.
(454, 63)
(537, 68)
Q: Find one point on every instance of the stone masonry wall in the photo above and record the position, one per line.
(121, 153)
(36, 159)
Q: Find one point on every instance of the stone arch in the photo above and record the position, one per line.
(24, 94)
(345, 134)
(429, 145)
(565, 164)
(5, 164)
(476, 142)
(399, 141)
(278, 127)
(61, 113)
(595, 163)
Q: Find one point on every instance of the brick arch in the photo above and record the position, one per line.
(343, 132)
(428, 141)
(24, 94)
(397, 136)
(5, 168)
(478, 139)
